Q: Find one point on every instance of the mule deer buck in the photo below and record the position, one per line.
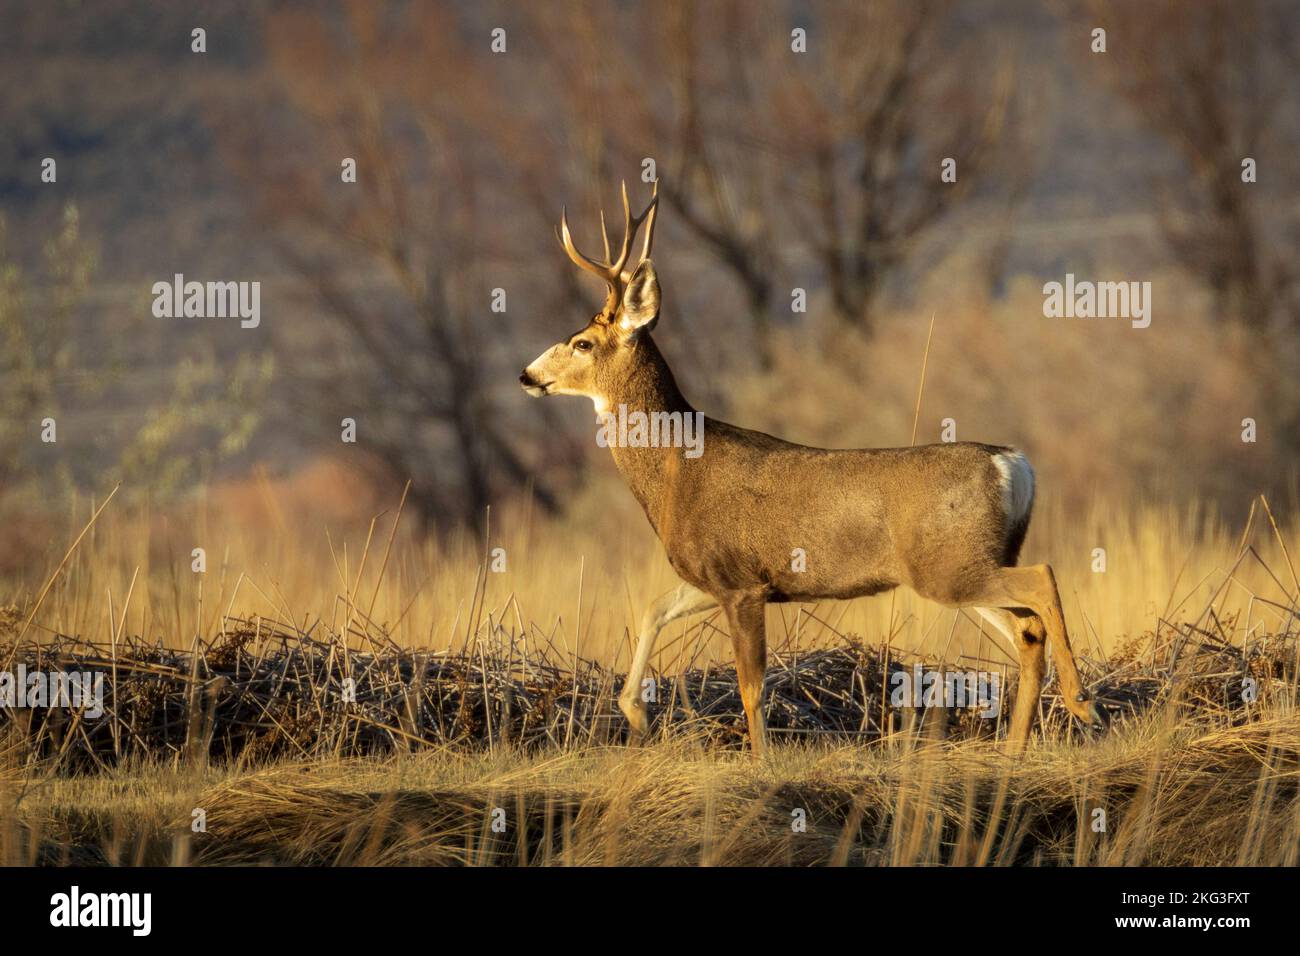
(946, 520)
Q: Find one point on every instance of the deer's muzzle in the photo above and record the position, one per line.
(532, 386)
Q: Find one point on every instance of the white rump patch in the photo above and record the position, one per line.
(1016, 477)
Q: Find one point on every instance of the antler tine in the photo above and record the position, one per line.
(604, 235)
(649, 217)
(653, 210)
(579, 259)
(632, 225)
(616, 266)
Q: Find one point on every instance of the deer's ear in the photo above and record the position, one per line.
(640, 299)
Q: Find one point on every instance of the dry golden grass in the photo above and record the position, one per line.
(585, 589)
(1169, 797)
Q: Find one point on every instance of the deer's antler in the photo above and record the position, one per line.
(611, 269)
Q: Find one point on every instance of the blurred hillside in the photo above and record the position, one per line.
(817, 171)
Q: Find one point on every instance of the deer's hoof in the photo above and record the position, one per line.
(1097, 718)
(1088, 712)
(637, 720)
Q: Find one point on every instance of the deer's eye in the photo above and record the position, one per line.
(582, 345)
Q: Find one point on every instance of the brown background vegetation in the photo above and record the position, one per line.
(779, 170)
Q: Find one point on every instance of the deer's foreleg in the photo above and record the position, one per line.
(748, 635)
(677, 603)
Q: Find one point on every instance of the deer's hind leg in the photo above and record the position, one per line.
(1034, 589)
(677, 603)
(1026, 631)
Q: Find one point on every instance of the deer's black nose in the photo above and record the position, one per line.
(525, 379)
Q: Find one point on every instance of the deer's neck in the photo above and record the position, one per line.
(650, 472)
